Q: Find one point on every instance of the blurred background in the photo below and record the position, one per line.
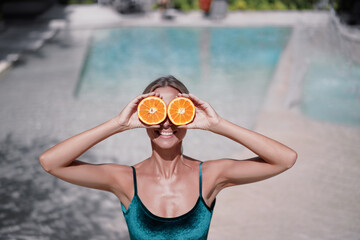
(287, 69)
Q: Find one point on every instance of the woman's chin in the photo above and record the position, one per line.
(166, 142)
(167, 138)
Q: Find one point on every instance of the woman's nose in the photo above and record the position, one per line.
(167, 123)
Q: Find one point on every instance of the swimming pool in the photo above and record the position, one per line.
(331, 83)
(229, 67)
(332, 91)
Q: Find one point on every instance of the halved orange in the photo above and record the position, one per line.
(151, 110)
(181, 111)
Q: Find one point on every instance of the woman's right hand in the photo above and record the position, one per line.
(128, 119)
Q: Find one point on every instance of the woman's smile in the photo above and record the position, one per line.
(165, 133)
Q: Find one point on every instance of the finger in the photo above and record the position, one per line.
(200, 103)
(195, 98)
(183, 95)
(197, 102)
(153, 126)
(187, 126)
(187, 95)
(141, 97)
(155, 94)
(148, 94)
(144, 125)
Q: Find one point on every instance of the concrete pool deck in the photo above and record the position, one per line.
(316, 199)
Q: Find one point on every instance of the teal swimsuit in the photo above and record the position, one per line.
(144, 225)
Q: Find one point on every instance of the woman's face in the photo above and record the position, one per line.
(168, 135)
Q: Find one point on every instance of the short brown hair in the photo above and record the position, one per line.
(168, 81)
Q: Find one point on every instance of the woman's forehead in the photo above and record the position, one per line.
(167, 93)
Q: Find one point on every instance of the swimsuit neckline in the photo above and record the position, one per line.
(156, 217)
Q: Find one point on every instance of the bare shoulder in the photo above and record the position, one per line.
(122, 176)
(124, 180)
(117, 170)
(208, 166)
(194, 163)
(214, 166)
(213, 169)
(212, 182)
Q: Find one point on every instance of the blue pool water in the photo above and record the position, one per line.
(230, 67)
(331, 90)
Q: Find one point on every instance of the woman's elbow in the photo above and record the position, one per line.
(291, 159)
(44, 163)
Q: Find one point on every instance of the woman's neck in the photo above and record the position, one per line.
(166, 161)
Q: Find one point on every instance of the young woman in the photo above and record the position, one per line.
(168, 195)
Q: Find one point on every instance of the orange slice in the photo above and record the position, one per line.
(151, 110)
(181, 111)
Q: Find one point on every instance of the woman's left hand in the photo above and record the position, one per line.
(205, 116)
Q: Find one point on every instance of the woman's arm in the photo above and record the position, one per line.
(273, 157)
(64, 153)
(60, 160)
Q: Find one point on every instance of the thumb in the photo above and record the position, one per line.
(153, 126)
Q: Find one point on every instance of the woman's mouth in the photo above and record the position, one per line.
(165, 134)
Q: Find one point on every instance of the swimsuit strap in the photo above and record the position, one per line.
(134, 178)
(200, 178)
